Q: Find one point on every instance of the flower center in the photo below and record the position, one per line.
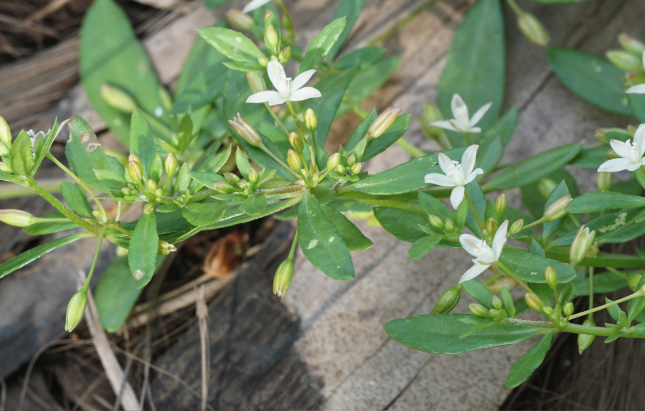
(457, 174)
(633, 153)
(484, 252)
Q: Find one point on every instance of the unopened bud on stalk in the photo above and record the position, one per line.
(356, 168)
(448, 300)
(135, 171)
(351, 160)
(568, 309)
(516, 227)
(500, 204)
(497, 303)
(159, 192)
(333, 161)
(551, 277)
(633, 281)
(240, 20)
(232, 178)
(293, 159)
(479, 310)
(256, 81)
(151, 184)
(556, 210)
(631, 44)
(75, 309)
(449, 225)
(117, 98)
(382, 123)
(246, 131)
(311, 121)
(166, 248)
(263, 61)
(170, 164)
(624, 60)
(5, 168)
(534, 302)
(223, 188)
(604, 180)
(285, 55)
(17, 218)
(283, 277)
(633, 79)
(436, 222)
(532, 29)
(296, 141)
(585, 340)
(491, 225)
(601, 136)
(5, 132)
(546, 186)
(341, 168)
(4, 150)
(271, 39)
(253, 175)
(581, 244)
(547, 310)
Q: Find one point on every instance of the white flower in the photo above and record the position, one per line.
(457, 175)
(254, 4)
(461, 121)
(631, 153)
(639, 88)
(286, 89)
(483, 253)
(33, 136)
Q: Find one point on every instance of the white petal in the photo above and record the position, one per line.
(468, 159)
(457, 196)
(644, 59)
(254, 5)
(634, 166)
(473, 272)
(263, 96)
(500, 239)
(615, 165)
(479, 114)
(443, 124)
(460, 111)
(474, 130)
(304, 94)
(622, 149)
(278, 77)
(301, 80)
(446, 164)
(638, 89)
(276, 101)
(639, 138)
(439, 179)
(469, 242)
(470, 177)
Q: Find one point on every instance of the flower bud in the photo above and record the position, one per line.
(532, 29)
(551, 277)
(151, 184)
(256, 81)
(431, 114)
(263, 61)
(5, 168)
(117, 98)
(568, 309)
(283, 277)
(311, 121)
(135, 171)
(546, 186)
(604, 180)
(296, 141)
(5, 132)
(75, 309)
(223, 188)
(500, 204)
(491, 225)
(633, 79)
(232, 178)
(581, 244)
(333, 161)
(170, 164)
(351, 160)
(285, 55)
(449, 225)
(448, 300)
(253, 175)
(624, 60)
(547, 310)
(382, 123)
(633, 281)
(479, 310)
(245, 131)
(601, 135)
(631, 44)
(516, 227)
(436, 222)
(4, 150)
(356, 168)
(534, 302)
(497, 303)
(585, 340)
(293, 159)
(341, 169)
(17, 218)
(159, 192)
(271, 39)
(496, 287)
(240, 20)
(556, 210)
(148, 209)
(166, 248)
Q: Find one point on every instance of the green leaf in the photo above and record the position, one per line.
(242, 162)
(361, 130)
(604, 226)
(144, 246)
(637, 103)
(433, 206)
(35, 253)
(476, 62)
(590, 157)
(439, 334)
(49, 227)
(350, 9)
(22, 157)
(533, 200)
(351, 235)
(321, 243)
(111, 180)
(203, 88)
(423, 246)
(604, 200)
(529, 362)
(479, 292)
(590, 77)
(322, 44)
(365, 56)
(532, 168)
(402, 224)
(602, 283)
(232, 44)
(76, 199)
(369, 80)
(530, 267)
(199, 214)
(255, 204)
(503, 128)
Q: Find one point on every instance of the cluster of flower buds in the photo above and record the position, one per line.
(141, 188)
(347, 170)
(5, 146)
(629, 60)
(446, 225)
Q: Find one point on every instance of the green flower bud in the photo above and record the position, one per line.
(500, 204)
(232, 178)
(263, 61)
(271, 39)
(75, 309)
(547, 310)
(159, 192)
(601, 136)
(166, 248)
(256, 81)
(134, 157)
(479, 310)
(491, 225)
(5, 168)
(4, 150)
(448, 300)
(581, 244)
(551, 277)
(534, 302)
(293, 159)
(148, 209)
(585, 340)
(351, 160)
(341, 168)
(333, 161)
(240, 20)
(568, 309)
(152, 185)
(532, 29)
(17, 218)
(546, 186)
(223, 188)
(135, 171)
(497, 303)
(449, 225)
(604, 180)
(296, 141)
(117, 98)
(5, 132)
(633, 281)
(631, 44)
(170, 164)
(356, 168)
(431, 114)
(383, 123)
(283, 277)
(311, 121)
(436, 222)
(624, 60)
(285, 55)
(556, 210)
(245, 131)
(253, 175)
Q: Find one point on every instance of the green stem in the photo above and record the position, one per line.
(472, 208)
(276, 118)
(602, 307)
(8, 190)
(280, 190)
(96, 257)
(513, 276)
(569, 327)
(467, 138)
(277, 160)
(292, 252)
(590, 288)
(516, 9)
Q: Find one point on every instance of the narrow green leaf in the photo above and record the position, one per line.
(144, 246)
(423, 246)
(503, 128)
(321, 45)
(529, 267)
(529, 362)
(254, 205)
(351, 235)
(479, 292)
(232, 44)
(350, 9)
(604, 226)
(402, 224)
(359, 58)
(604, 200)
(199, 214)
(367, 81)
(395, 132)
(76, 199)
(361, 130)
(433, 206)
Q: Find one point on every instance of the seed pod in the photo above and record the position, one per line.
(500, 204)
(436, 222)
(293, 159)
(534, 302)
(556, 210)
(311, 121)
(479, 310)
(296, 141)
(246, 131)
(17, 218)
(283, 277)
(448, 300)
(75, 309)
(5, 132)
(117, 98)
(581, 244)
(585, 340)
(383, 122)
(551, 277)
(333, 161)
(532, 29)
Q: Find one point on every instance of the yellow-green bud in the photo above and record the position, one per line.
(449, 225)
(497, 285)
(311, 121)
(491, 225)
(223, 188)
(283, 277)
(75, 309)
(532, 29)
(271, 39)
(285, 55)
(159, 192)
(240, 20)
(232, 178)
(151, 184)
(256, 81)
(293, 159)
(17, 218)
(568, 309)
(170, 164)
(4, 150)
(534, 302)
(546, 186)
(148, 209)
(135, 171)
(633, 281)
(500, 204)
(497, 303)
(551, 277)
(431, 113)
(547, 310)
(382, 123)
(448, 300)
(581, 244)
(165, 248)
(245, 131)
(585, 340)
(341, 168)
(5, 132)
(351, 160)
(134, 157)
(556, 210)
(296, 141)
(263, 61)
(479, 310)
(5, 168)
(631, 44)
(436, 222)
(333, 161)
(356, 168)
(117, 98)
(624, 60)
(253, 175)
(604, 180)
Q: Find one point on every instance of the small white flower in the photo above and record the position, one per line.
(286, 89)
(631, 153)
(461, 121)
(483, 253)
(457, 174)
(254, 4)
(33, 136)
(639, 88)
